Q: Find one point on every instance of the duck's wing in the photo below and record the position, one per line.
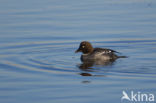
(104, 50)
(113, 50)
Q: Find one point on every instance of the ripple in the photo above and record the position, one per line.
(57, 57)
(38, 56)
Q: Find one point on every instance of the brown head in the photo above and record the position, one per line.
(85, 47)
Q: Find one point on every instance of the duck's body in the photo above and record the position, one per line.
(99, 54)
(95, 54)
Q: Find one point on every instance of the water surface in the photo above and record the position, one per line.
(38, 40)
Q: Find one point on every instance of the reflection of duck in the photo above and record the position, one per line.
(87, 65)
(86, 74)
(97, 56)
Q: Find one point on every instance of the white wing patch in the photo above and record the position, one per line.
(102, 55)
(103, 52)
(106, 52)
(109, 51)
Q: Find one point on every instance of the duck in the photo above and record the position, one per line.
(90, 54)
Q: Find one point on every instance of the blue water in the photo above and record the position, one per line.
(38, 39)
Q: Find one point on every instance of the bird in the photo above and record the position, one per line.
(98, 55)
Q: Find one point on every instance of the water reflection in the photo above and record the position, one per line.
(86, 82)
(89, 66)
(86, 74)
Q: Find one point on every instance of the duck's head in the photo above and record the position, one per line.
(85, 47)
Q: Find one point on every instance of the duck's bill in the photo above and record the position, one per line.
(78, 50)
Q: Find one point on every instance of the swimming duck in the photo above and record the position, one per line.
(91, 54)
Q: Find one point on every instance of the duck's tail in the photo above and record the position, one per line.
(122, 57)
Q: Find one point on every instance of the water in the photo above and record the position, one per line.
(38, 39)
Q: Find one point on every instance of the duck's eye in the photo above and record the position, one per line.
(83, 46)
